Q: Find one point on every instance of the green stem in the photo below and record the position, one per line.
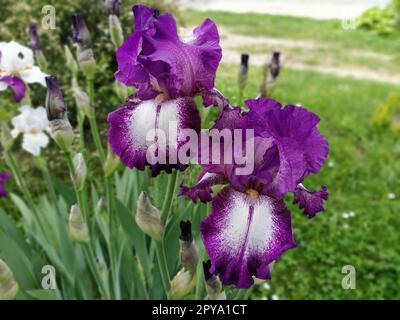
(160, 250)
(49, 184)
(162, 264)
(166, 208)
(200, 277)
(241, 295)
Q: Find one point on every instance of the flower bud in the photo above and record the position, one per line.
(112, 7)
(8, 286)
(121, 90)
(77, 227)
(148, 218)
(7, 140)
(244, 71)
(182, 284)
(34, 37)
(84, 52)
(213, 284)
(70, 61)
(188, 251)
(61, 130)
(79, 176)
(116, 32)
(111, 164)
(82, 100)
(35, 44)
(274, 66)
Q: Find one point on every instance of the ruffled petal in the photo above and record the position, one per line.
(202, 189)
(215, 98)
(16, 84)
(244, 234)
(155, 58)
(139, 133)
(311, 201)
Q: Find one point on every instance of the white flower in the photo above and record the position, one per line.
(331, 164)
(352, 214)
(32, 123)
(391, 196)
(17, 60)
(346, 215)
(274, 297)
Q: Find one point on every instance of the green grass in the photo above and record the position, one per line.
(365, 170)
(327, 31)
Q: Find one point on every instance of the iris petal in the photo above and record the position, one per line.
(202, 189)
(132, 131)
(244, 234)
(311, 201)
(154, 57)
(16, 84)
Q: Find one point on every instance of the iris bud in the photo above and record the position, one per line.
(112, 7)
(111, 164)
(8, 286)
(148, 218)
(82, 100)
(213, 284)
(117, 35)
(79, 176)
(182, 284)
(71, 63)
(35, 43)
(188, 251)
(77, 227)
(7, 140)
(61, 130)
(244, 71)
(84, 52)
(275, 66)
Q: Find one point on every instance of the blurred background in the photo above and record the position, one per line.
(340, 59)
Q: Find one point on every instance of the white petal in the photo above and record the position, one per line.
(34, 142)
(33, 74)
(15, 56)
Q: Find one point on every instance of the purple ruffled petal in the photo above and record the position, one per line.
(311, 201)
(132, 132)
(244, 234)
(202, 189)
(17, 85)
(154, 58)
(4, 176)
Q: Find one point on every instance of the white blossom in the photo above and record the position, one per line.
(17, 60)
(32, 124)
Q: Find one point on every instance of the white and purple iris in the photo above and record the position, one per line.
(249, 225)
(167, 73)
(17, 68)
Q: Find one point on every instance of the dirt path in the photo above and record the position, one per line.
(232, 45)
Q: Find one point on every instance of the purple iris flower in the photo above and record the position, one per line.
(250, 225)
(4, 176)
(167, 72)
